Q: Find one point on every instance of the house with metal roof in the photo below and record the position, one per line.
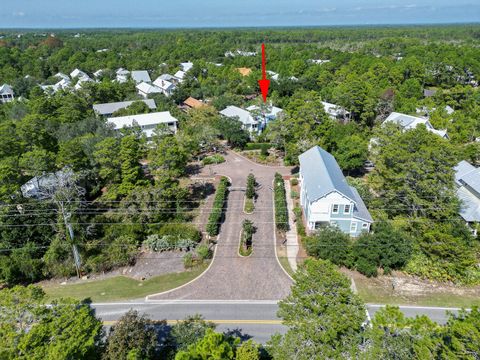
(6, 94)
(44, 186)
(467, 180)
(109, 108)
(122, 75)
(244, 116)
(326, 197)
(147, 122)
(166, 87)
(140, 76)
(335, 112)
(408, 122)
(145, 89)
(265, 115)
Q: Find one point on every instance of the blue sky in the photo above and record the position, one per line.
(220, 13)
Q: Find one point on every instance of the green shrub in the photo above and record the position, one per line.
(251, 183)
(157, 243)
(204, 252)
(181, 232)
(248, 229)
(281, 210)
(301, 229)
(330, 243)
(297, 210)
(294, 181)
(366, 267)
(258, 146)
(213, 225)
(213, 159)
(294, 194)
(188, 260)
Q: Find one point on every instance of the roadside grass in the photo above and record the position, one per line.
(286, 265)
(249, 206)
(375, 294)
(122, 287)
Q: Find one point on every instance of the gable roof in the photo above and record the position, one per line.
(142, 119)
(180, 74)
(360, 210)
(243, 115)
(467, 178)
(110, 108)
(334, 110)
(186, 66)
(273, 111)
(193, 103)
(140, 76)
(163, 84)
(6, 89)
(322, 175)
(148, 88)
(244, 71)
(408, 122)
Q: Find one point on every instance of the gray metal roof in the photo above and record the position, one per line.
(467, 178)
(140, 76)
(243, 115)
(360, 211)
(322, 175)
(110, 108)
(401, 119)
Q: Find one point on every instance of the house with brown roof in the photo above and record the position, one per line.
(192, 103)
(244, 71)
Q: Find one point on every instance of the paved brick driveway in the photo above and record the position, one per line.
(231, 277)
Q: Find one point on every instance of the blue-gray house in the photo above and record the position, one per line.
(327, 198)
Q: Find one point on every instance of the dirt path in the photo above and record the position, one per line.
(231, 277)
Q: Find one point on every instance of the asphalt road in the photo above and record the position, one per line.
(255, 319)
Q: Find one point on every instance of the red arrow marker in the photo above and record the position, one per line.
(264, 83)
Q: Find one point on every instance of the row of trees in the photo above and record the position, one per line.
(217, 212)
(280, 202)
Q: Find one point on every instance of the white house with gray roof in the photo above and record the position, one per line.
(467, 179)
(140, 76)
(326, 197)
(109, 108)
(244, 116)
(407, 122)
(6, 94)
(147, 122)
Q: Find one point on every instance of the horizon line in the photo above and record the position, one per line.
(426, 24)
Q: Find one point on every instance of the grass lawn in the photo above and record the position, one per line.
(285, 264)
(373, 293)
(122, 287)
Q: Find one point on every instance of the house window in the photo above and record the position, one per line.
(365, 225)
(353, 227)
(346, 210)
(335, 209)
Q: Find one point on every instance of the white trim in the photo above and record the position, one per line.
(333, 208)
(353, 226)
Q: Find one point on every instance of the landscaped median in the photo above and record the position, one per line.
(249, 205)
(216, 215)
(246, 238)
(280, 198)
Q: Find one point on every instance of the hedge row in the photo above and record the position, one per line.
(281, 210)
(213, 225)
(258, 146)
